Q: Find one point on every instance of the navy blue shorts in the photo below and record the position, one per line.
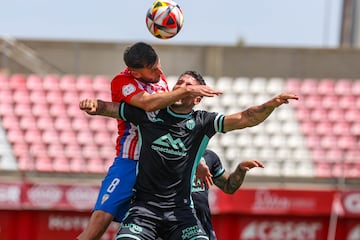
(147, 222)
(117, 188)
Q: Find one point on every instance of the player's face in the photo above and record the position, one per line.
(148, 74)
(189, 102)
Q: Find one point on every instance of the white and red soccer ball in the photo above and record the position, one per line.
(164, 19)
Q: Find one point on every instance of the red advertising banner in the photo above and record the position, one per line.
(247, 227)
(350, 202)
(60, 211)
(10, 195)
(55, 196)
(273, 201)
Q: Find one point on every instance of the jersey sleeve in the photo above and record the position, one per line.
(214, 163)
(123, 88)
(132, 114)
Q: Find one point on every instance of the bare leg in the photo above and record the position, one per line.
(98, 223)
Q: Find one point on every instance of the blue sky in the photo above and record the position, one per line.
(288, 23)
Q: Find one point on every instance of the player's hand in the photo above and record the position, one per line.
(248, 164)
(90, 106)
(283, 99)
(203, 175)
(202, 90)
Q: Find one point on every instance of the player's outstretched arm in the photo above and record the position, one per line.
(99, 107)
(156, 101)
(229, 183)
(256, 114)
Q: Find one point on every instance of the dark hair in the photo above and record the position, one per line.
(195, 75)
(140, 55)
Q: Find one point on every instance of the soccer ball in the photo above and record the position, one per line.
(164, 19)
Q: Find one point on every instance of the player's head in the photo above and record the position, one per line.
(185, 79)
(143, 62)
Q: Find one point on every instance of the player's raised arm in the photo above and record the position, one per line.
(256, 114)
(152, 102)
(99, 107)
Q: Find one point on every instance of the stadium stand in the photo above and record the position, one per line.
(43, 130)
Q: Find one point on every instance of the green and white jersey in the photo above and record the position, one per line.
(171, 147)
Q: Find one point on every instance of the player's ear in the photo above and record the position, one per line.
(136, 74)
(197, 100)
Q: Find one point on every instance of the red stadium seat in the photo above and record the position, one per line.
(62, 123)
(18, 82)
(347, 142)
(341, 128)
(54, 96)
(308, 127)
(352, 114)
(51, 82)
(343, 86)
(34, 82)
(97, 123)
(324, 128)
(102, 137)
(326, 87)
(28, 122)
(303, 114)
(309, 86)
(318, 114)
(293, 85)
(323, 169)
(21, 96)
(32, 136)
(4, 81)
(71, 97)
(355, 128)
(44, 163)
(334, 155)
(347, 101)
(85, 137)
(356, 87)
(23, 109)
(95, 165)
(6, 109)
(10, 122)
(328, 141)
(336, 114)
(67, 83)
(101, 83)
(38, 96)
(84, 82)
(330, 101)
(57, 109)
(318, 154)
(78, 164)
(73, 111)
(81, 123)
(51, 136)
(6, 96)
(45, 122)
(313, 140)
(40, 109)
(61, 164)
(15, 136)
(352, 155)
(313, 101)
(90, 151)
(26, 163)
(73, 150)
(68, 137)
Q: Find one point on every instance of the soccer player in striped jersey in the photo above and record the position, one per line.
(143, 85)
